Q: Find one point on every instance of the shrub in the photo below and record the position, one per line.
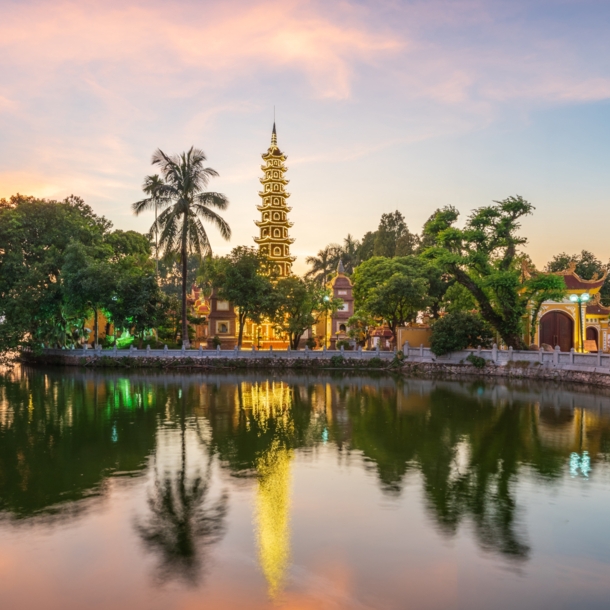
(375, 363)
(216, 341)
(459, 330)
(337, 361)
(476, 361)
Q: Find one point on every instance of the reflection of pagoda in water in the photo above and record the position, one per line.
(272, 402)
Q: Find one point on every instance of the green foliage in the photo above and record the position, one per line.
(216, 342)
(459, 330)
(375, 363)
(483, 257)
(337, 361)
(243, 278)
(476, 361)
(393, 237)
(587, 267)
(391, 289)
(298, 305)
(458, 298)
(343, 344)
(34, 237)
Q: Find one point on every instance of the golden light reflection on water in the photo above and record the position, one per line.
(267, 401)
(273, 515)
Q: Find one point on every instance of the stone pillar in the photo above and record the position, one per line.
(541, 355)
(494, 353)
(572, 356)
(405, 349)
(556, 355)
(510, 353)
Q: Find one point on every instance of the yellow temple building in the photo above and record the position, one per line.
(579, 321)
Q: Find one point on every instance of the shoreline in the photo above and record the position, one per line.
(583, 376)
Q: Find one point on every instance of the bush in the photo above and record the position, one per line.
(344, 344)
(476, 361)
(337, 361)
(459, 330)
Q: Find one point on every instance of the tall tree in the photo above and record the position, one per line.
(299, 305)
(185, 203)
(393, 290)
(34, 237)
(242, 278)
(393, 237)
(483, 257)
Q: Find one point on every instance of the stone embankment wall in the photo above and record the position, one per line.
(592, 369)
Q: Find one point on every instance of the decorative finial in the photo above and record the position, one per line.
(273, 134)
(341, 268)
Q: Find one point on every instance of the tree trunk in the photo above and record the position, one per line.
(185, 330)
(242, 321)
(95, 330)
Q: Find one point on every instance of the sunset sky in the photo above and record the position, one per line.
(380, 105)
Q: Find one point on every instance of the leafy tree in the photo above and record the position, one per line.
(394, 290)
(587, 267)
(393, 237)
(299, 304)
(366, 248)
(89, 281)
(459, 330)
(34, 236)
(181, 195)
(458, 298)
(242, 278)
(482, 257)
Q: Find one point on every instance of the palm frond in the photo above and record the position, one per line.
(211, 216)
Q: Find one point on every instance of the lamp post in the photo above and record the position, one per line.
(580, 299)
(326, 300)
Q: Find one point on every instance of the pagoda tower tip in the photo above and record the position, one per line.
(274, 136)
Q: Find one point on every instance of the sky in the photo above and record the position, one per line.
(380, 105)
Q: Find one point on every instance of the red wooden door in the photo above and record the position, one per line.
(557, 328)
(592, 335)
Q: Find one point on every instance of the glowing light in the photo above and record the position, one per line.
(580, 465)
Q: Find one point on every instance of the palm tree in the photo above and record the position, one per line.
(349, 254)
(151, 187)
(323, 263)
(180, 190)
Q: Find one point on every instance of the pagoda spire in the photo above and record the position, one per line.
(274, 241)
(273, 136)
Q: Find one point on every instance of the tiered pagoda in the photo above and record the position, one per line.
(274, 240)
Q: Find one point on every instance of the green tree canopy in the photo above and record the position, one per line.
(34, 237)
(483, 257)
(587, 267)
(299, 304)
(391, 289)
(243, 279)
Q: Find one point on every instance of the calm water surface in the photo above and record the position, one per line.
(183, 491)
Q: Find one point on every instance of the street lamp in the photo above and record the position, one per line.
(326, 300)
(580, 299)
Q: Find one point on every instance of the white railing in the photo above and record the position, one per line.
(553, 359)
(133, 352)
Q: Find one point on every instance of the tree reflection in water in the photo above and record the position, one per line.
(183, 522)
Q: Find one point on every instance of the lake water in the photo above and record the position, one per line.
(250, 491)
